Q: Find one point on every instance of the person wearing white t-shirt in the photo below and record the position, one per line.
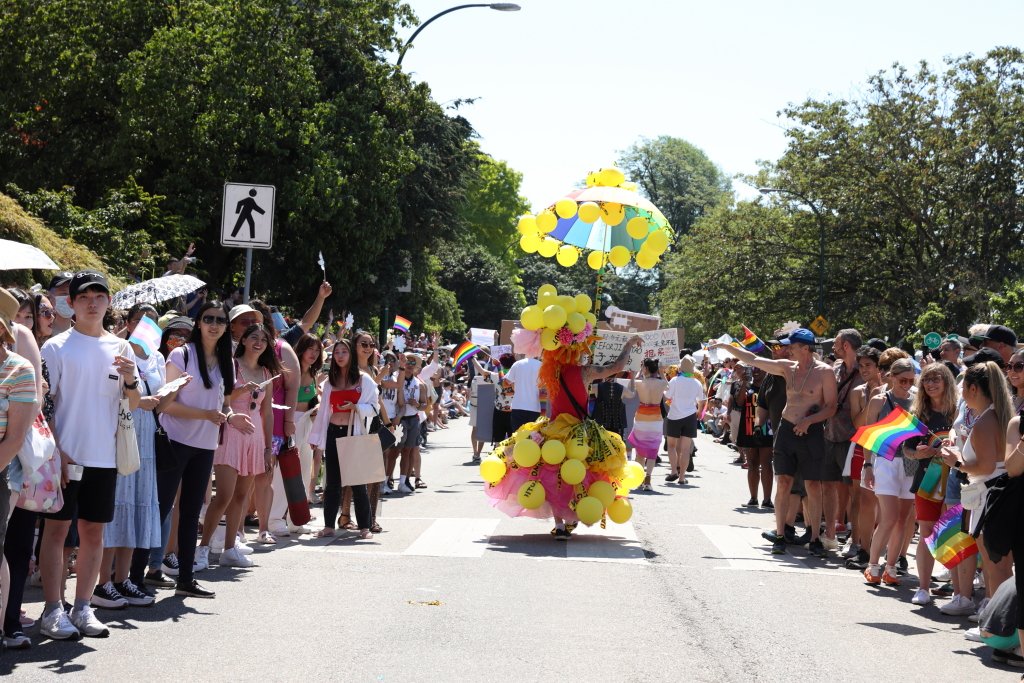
(89, 368)
(523, 376)
(686, 399)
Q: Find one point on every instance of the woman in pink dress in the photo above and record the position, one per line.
(240, 456)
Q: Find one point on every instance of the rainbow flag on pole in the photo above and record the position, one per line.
(402, 324)
(751, 342)
(948, 542)
(464, 352)
(886, 436)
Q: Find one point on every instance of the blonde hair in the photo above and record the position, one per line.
(921, 405)
(890, 356)
(989, 378)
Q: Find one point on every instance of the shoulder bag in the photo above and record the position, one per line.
(127, 446)
(360, 458)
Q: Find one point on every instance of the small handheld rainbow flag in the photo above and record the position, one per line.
(948, 542)
(464, 352)
(886, 436)
(751, 342)
(402, 324)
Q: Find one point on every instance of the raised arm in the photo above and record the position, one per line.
(313, 312)
(774, 367)
(592, 372)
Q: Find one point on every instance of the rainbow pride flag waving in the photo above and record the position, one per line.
(751, 342)
(948, 542)
(885, 437)
(464, 352)
(402, 324)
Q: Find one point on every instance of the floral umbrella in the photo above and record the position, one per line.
(156, 290)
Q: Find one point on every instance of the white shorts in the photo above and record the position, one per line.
(890, 480)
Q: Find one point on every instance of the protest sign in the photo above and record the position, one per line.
(662, 345)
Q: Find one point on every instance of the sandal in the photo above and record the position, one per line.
(375, 528)
(326, 532)
(266, 538)
(347, 524)
(365, 534)
(420, 484)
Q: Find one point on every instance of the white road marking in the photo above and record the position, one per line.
(454, 538)
(745, 550)
(617, 543)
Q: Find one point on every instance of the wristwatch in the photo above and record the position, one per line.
(133, 385)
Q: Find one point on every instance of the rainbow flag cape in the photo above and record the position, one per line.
(751, 342)
(464, 352)
(949, 543)
(402, 324)
(886, 436)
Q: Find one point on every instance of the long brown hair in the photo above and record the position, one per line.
(921, 405)
(267, 359)
(352, 375)
(989, 378)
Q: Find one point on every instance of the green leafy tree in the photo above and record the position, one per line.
(486, 289)
(1008, 307)
(492, 208)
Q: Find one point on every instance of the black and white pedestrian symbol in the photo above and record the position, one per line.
(248, 216)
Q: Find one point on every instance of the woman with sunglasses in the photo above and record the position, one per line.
(349, 396)
(43, 329)
(193, 425)
(935, 406)
(1015, 378)
(889, 479)
(242, 455)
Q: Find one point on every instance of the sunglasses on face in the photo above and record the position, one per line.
(904, 381)
(1015, 367)
(365, 345)
(937, 380)
(45, 313)
(214, 320)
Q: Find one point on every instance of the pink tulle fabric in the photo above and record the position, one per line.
(526, 342)
(504, 495)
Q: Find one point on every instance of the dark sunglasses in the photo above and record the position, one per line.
(1016, 367)
(214, 320)
(904, 381)
(255, 395)
(365, 345)
(45, 313)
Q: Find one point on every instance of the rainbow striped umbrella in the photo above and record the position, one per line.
(599, 235)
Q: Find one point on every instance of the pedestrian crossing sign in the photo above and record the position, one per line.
(247, 219)
(820, 326)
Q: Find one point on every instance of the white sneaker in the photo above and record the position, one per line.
(973, 634)
(217, 540)
(242, 548)
(279, 529)
(202, 560)
(830, 543)
(299, 530)
(943, 576)
(976, 617)
(921, 597)
(87, 623)
(405, 488)
(851, 550)
(58, 626)
(233, 558)
(959, 606)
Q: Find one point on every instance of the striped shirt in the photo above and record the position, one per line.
(17, 384)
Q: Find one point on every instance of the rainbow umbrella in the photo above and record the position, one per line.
(599, 235)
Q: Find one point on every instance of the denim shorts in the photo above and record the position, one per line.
(952, 489)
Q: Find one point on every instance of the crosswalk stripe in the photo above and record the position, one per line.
(617, 543)
(454, 537)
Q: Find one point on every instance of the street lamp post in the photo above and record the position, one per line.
(499, 6)
(821, 238)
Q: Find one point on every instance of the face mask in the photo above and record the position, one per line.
(174, 342)
(63, 306)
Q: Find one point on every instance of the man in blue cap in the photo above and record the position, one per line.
(811, 398)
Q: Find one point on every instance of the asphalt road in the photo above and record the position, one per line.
(453, 590)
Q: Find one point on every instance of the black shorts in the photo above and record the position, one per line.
(684, 426)
(501, 425)
(803, 455)
(835, 461)
(518, 417)
(410, 432)
(91, 498)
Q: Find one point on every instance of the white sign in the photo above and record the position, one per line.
(248, 216)
(482, 337)
(662, 345)
(498, 350)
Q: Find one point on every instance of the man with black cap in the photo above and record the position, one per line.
(57, 293)
(89, 370)
(985, 355)
(1000, 339)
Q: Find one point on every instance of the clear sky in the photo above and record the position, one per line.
(564, 85)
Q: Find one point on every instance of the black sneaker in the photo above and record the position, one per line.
(561, 535)
(767, 505)
(779, 548)
(157, 578)
(170, 565)
(672, 477)
(193, 590)
(943, 591)
(752, 503)
(772, 536)
(789, 534)
(134, 596)
(901, 565)
(106, 596)
(859, 561)
(815, 547)
(802, 539)
(1007, 657)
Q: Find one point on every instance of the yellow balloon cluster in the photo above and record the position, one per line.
(561, 319)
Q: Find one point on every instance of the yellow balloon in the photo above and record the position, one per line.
(635, 474)
(567, 302)
(546, 221)
(492, 470)
(546, 299)
(610, 177)
(553, 452)
(576, 322)
(646, 259)
(613, 214)
(637, 227)
(526, 453)
(546, 289)
(620, 511)
(527, 224)
(589, 212)
(591, 318)
(589, 510)
(622, 491)
(554, 317)
(657, 242)
(595, 260)
(565, 208)
(577, 449)
(531, 495)
(573, 471)
(583, 303)
(532, 318)
(618, 256)
(591, 179)
(603, 491)
(529, 242)
(567, 256)
(547, 339)
(548, 247)
(628, 186)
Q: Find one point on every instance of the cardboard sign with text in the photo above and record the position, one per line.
(660, 344)
(626, 321)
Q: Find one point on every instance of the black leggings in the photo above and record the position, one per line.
(333, 484)
(190, 467)
(18, 550)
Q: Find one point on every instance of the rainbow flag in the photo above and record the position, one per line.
(402, 324)
(948, 542)
(751, 342)
(464, 352)
(886, 436)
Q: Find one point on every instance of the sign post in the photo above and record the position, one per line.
(247, 221)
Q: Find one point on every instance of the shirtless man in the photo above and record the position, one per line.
(800, 439)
